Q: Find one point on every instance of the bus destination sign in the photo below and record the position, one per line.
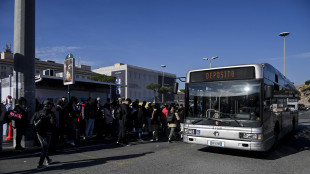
(241, 73)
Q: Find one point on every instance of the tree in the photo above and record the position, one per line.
(103, 78)
(154, 87)
(307, 82)
(164, 90)
(182, 90)
(306, 89)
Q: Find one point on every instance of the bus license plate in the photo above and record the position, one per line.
(216, 143)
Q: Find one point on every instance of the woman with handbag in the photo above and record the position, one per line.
(172, 122)
(20, 124)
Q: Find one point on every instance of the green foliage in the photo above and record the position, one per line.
(307, 82)
(306, 89)
(103, 78)
(182, 90)
(164, 90)
(154, 87)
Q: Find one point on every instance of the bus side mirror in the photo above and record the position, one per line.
(175, 88)
(269, 92)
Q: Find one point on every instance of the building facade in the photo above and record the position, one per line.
(136, 79)
(47, 67)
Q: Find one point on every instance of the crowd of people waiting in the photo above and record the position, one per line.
(114, 121)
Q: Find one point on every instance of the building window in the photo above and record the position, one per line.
(77, 76)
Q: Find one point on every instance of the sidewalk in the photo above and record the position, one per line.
(9, 150)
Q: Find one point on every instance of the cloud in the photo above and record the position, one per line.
(57, 53)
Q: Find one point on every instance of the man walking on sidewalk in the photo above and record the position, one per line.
(45, 124)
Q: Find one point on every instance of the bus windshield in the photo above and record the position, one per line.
(228, 100)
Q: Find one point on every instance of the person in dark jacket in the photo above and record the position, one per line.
(45, 124)
(140, 121)
(124, 115)
(71, 119)
(20, 125)
(89, 113)
(155, 121)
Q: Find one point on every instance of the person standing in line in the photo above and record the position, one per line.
(155, 121)
(99, 120)
(44, 122)
(124, 115)
(72, 115)
(140, 121)
(89, 113)
(108, 118)
(8, 106)
(173, 118)
(20, 125)
(149, 112)
(116, 114)
(181, 115)
(163, 120)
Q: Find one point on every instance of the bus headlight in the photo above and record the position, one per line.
(251, 136)
(189, 131)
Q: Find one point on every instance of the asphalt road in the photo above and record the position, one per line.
(292, 156)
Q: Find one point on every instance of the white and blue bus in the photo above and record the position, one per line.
(239, 107)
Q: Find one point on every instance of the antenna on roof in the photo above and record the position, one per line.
(79, 60)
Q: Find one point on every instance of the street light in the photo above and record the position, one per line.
(283, 34)
(210, 59)
(162, 83)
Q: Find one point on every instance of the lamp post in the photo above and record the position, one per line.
(283, 34)
(210, 59)
(162, 83)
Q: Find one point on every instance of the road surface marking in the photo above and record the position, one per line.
(85, 155)
(171, 150)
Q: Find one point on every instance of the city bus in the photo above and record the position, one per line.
(242, 107)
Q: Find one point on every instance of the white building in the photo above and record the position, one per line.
(136, 79)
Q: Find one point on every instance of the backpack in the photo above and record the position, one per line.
(170, 118)
(43, 123)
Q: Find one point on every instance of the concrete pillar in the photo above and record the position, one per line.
(24, 54)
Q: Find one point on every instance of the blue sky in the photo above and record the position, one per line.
(177, 33)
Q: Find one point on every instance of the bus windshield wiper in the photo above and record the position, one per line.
(197, 121)
(231, 116)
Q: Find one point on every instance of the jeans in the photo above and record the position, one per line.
(155, 128)
(149, 126)
(172, 131)
(139, 133)
(89, 128)
(45, 142)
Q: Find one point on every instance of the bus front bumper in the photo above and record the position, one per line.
(225, 143)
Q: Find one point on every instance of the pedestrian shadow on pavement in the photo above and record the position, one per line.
(79, 164)
(291, 144)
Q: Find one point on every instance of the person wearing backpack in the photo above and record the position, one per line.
(172, 119)
(44, 123)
